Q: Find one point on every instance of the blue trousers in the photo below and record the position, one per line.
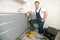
(40, 24)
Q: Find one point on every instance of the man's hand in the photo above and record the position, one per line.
(43, 20)
(28, 12)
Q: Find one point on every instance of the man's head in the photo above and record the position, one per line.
(37, 4)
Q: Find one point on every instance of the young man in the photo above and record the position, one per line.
(41, 15)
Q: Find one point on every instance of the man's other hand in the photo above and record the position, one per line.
(43, 20)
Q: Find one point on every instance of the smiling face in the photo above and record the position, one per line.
(37, 4)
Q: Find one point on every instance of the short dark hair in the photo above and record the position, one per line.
(37, 2)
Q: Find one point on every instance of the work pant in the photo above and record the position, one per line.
(40, 24)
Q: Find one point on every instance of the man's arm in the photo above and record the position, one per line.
(45, 16)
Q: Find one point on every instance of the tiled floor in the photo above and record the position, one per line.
(36, 36)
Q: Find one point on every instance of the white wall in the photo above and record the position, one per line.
(59, 18)
(12, 6)
(52, 6)
(8, 6)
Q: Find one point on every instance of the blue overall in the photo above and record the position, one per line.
(38, 21)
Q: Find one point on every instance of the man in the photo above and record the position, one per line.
(41, 15)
